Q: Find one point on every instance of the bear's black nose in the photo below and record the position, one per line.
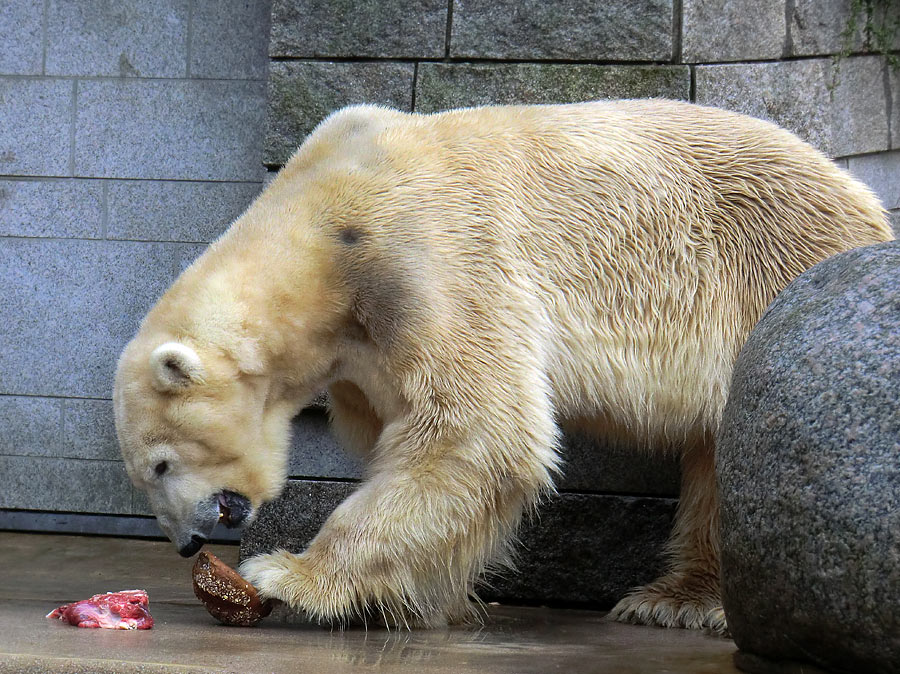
(193, 547)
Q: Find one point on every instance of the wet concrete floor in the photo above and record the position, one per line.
(39, 572)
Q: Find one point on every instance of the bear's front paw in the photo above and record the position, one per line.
(277, 575)
(674, 601)
(317, 591)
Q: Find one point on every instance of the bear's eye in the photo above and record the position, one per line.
(161, 468)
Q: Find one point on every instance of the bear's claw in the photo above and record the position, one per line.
(663, 605)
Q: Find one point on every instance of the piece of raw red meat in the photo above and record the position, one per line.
(126, 610)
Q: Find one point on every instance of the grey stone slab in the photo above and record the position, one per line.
(133, 38)
(859, 106)
(21, 35)
(372, 28)
(596, 466)
(824, 26)
(894, 84)
(792, 94)
(229, 40)
(30, 426)
(140, 505)
(69, 307)
(186, 254)
(302, 94)
(76, 485)
(881, 172)
(57, 427)
(621, 30)
(587, 549)
(816, 26)
(442, 86)
(120, 526)
(895, 222)
(59, 207)
(315, 452)
(37, 122)
(582, 548)
(738, 30)
(808, 471)
(151, 210)
(89, 430)
(188, 130)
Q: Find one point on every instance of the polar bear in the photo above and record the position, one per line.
(464, 284)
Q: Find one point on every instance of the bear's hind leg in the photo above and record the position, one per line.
(689, 594)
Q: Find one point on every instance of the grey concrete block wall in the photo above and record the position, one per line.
(131, 134)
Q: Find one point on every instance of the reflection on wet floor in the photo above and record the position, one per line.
(41, 571)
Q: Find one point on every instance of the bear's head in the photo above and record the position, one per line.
(199, 437)
(306, 288)
(205, 392)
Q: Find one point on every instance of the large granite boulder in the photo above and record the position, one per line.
(809, 473)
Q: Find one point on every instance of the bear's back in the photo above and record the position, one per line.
(649, 236)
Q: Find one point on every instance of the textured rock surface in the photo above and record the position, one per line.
(302, 94)
(582, 548)
(809, 470)
(441, 86)
(713, 30)
(621, 30)
(395, 28)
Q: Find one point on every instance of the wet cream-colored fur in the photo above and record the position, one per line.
(464, 283)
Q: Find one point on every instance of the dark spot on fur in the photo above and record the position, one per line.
(349, 235)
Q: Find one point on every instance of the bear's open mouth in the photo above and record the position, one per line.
(233, 508)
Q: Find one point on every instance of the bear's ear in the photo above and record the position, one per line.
(175, 366)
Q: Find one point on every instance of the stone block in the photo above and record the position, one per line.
(586, 549)
(820, 26)
(60, 208)
(150, 210)
(134, 38)
(859, 106)
(742, 30)
(894, 217)
(894, 84)
(140, 504)
(89, 430)
(581, 30)
(816, 26)
(582, 548)
(315, 452)
(793, 94)
(843, 117)
(186, 130)
(597, 466)
(291, 520)
(881, 172)
(371, 28)
(808, 473)
(57, 427)
(30, 426)
(70, 306)
(76, 485)
(186, 254)
(442, 86)
(229, 39)
(21, 36)
(302, 94)
(37, 123)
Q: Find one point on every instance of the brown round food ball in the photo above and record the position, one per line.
(229, 598)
